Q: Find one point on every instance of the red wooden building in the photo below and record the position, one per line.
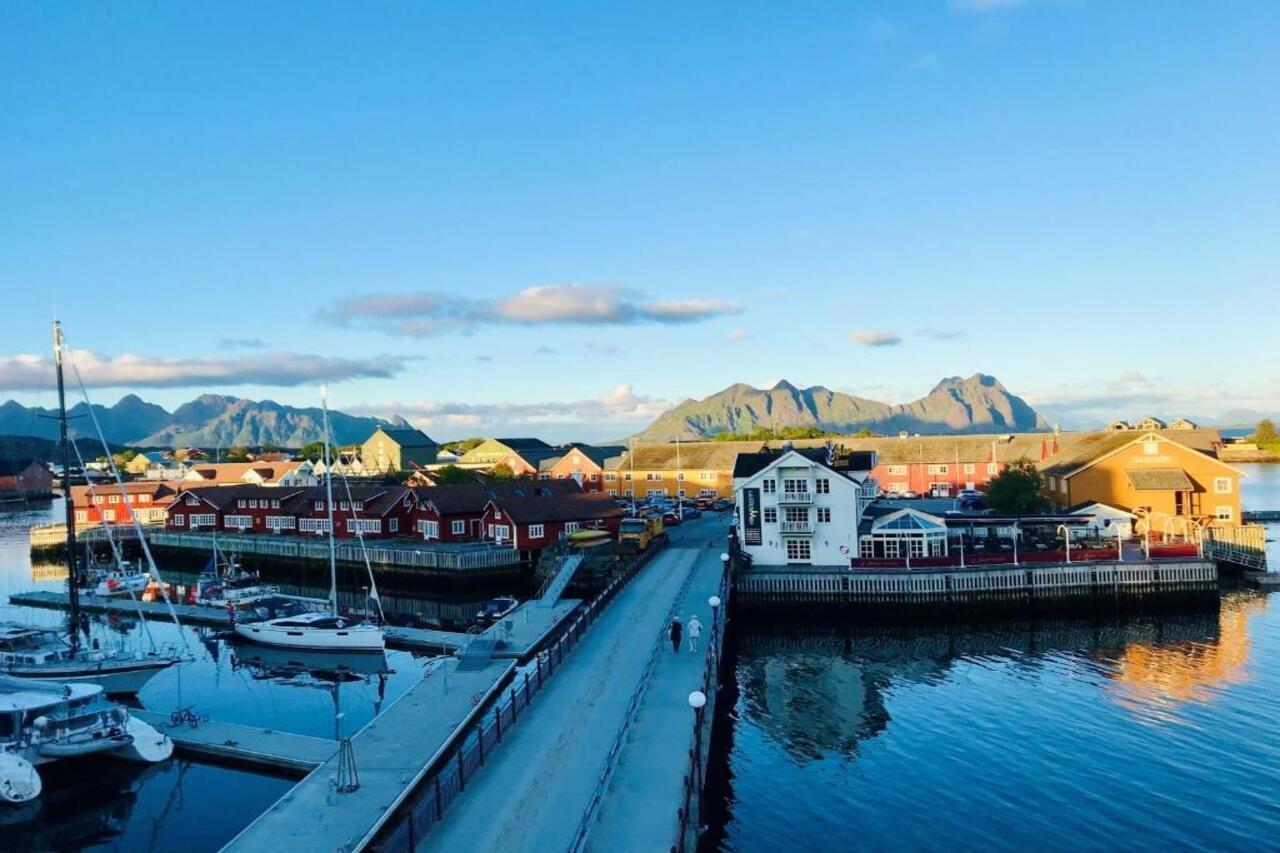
(113, 503)
(453, 513)
(530, 522)
(27, 477)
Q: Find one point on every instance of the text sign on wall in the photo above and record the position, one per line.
(751, 517)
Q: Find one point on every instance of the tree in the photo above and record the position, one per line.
(315, 450)
(1016, 490)
(239, 453)
(450, 474)
(501, 471)
(1265, 435)
(462, 445)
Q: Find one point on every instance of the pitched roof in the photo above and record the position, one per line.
(406, 436)
(535, 509)
(694, 455)
(155, 488)
(599, 454)
(458, 498)
(1084, 448)
(524, 443)
(1160, 479)
(750, 464)
(11, 467)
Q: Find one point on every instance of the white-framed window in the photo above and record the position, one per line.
(364, 525)
(192, 500)
(799, 551)
(769, 486)
(179, 520)
(313, 525)
(281, 522)
(897, 470)
(1223, 513)
(866, 548)
(897, 488)
(628, 493)
(626, 476)
(501, 532)
(610, 478)
(113, 499)
(593, 477)
(204, 519)
(458, 527)
(824, 514)
(707, 476)
(544, 476)
(679, 475)
(771, 515)
(968, 467)
(653, 475)
(1222, 485)
(108, 515)
(891, 548)
(993, 467)
(342, 505)
(233, 522)
(319, 506)
(707, 493)
(679, 493)
(357, 505)
(571, 527)
(128, 499)
(822, 486)
(83, 516)
(613, 493)
(536, 531)
(915, 547)
(795, 487)
(144, 499)
(935, 547)
(937, 469)
(275, 504)
(657, 493)
(430, 529)
(393, 525)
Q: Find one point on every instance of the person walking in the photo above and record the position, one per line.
(676, 631)
(695, 631)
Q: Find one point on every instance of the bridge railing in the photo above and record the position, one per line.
(448, 780)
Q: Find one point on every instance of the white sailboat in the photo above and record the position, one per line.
(33, 652)
(43, 721)
(326, 630)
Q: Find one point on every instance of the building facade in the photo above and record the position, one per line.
(147, 501)
(25, 477)
(392, 449)
(701, 469)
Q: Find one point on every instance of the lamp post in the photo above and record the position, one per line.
(1015, 543)
(1066, 537)
(714, 601)
(697, 701)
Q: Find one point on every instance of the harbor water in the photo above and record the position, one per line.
(1152, 730)
(193, 806)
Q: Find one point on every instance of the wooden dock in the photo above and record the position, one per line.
(529, 625)
(266, 749)
(837, 584)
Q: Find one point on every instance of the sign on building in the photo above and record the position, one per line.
(751, 533)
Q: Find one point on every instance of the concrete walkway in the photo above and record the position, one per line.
(647, 786)
(281, 752)
(534, 790)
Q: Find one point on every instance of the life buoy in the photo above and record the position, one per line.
(844, 549)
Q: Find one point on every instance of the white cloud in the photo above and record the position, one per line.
(876, 338)
(425, 314)
(734, 335)
(982, 7)
(32, 372)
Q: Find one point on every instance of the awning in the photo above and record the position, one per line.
(1161, 479)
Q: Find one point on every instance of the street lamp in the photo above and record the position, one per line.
(714, 601)
(1066, 537)
(697, 701)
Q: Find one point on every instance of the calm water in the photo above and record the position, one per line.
(1145, 732)
(188, 806)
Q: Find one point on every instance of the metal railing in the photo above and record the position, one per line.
(804, 498)
(443, 785)
(795, 526)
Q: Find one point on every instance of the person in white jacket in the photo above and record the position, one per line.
(695, 631)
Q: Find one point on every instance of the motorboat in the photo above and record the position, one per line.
(495, 610)
(42, 654)
(233, 588)
(319, 630)
(122, 579)
(43, 721)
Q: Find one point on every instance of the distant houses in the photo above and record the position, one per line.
(24, 478)
(393, 449)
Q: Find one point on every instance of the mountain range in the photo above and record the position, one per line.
(210, 420)
(977, 404)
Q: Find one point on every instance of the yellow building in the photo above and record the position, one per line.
(1173, 480)
(688, 469)
(392, 449)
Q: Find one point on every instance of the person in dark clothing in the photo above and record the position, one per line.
(677, 630)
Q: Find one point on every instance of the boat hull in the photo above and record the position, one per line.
(354, 639)
(19, 780)
(123, 679)
(146, 746)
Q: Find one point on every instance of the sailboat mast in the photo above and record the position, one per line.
(328, 499)
(73, 574)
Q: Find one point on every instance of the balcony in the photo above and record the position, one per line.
(795, 528)
(795, 498)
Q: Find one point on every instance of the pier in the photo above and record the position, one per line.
(521, 632)
(251, 746)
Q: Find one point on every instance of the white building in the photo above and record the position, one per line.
(796, 507)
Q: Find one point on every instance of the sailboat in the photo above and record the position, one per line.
(42, 654)
(42, 721)
(325, 630)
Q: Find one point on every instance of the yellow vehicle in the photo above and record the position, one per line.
(637, 534)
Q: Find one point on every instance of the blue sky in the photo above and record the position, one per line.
(494, 217)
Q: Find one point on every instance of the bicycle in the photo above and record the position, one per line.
(188, 716)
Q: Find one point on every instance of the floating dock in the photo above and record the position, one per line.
(266, 749)
(521, 633)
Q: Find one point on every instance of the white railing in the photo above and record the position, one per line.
(804, 498)
(795, 526)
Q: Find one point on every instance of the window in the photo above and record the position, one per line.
(342, 505)
(357, 505)
(822, 486)
(275, 504)
(571, 527)
(232, 522)
(536, 531)
(113, 499)
(771, 515)
(993, 467)
(364, 525)
(544, 476)
(935, 547)
(657, 493)
(431, 529)
(613, 493)
(204, 519)
(192, 500)
(610, 478)
(1223, 513)
(1053, 483)
(83, 515)
(769, 486)
(968, 467)
(679, 493)
(866, 548)
(898, 470)
(393, 525)
(679, 475)
(281, 522)
(1222, 485)
(824, 514)
(707, 476)
(897, 488)
(798, 551)
(795, 487)
(313, 525)
(594, 477)
(626, 477)
(653, 475)
(891, 548)
(937, 469)
(128, 498)
(108, 515)
(179, 521)
(144, 499)
(500, 532)
(628, 493)
(915, 547)
(319, 505)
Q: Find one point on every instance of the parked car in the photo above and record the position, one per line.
(691, 512)
(722, 505)
(908, 495)
(670, 519)
(704, 503)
